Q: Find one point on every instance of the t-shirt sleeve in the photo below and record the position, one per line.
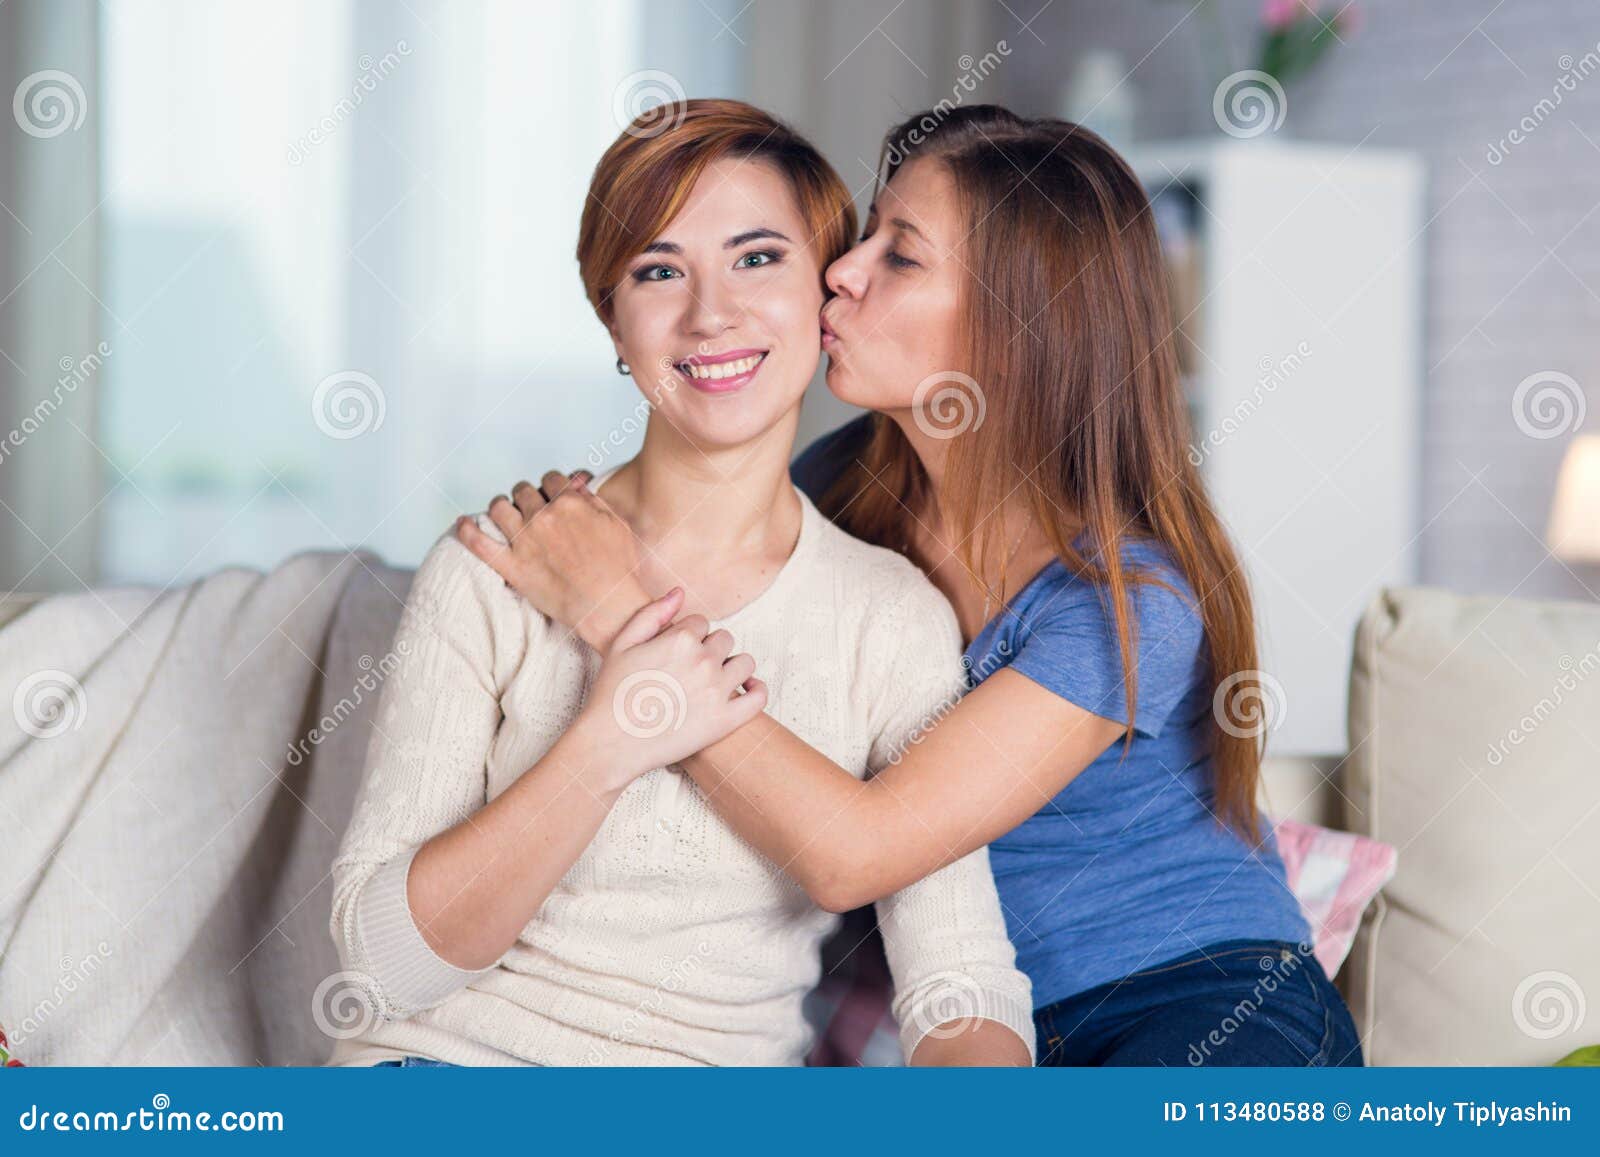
(1067, 643)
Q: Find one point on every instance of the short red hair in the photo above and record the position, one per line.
(648, 172)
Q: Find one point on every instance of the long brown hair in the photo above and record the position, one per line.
(1067, 329)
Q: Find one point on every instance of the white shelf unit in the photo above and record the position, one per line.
(1305, 389)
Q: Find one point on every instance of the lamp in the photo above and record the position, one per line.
(1574, 531)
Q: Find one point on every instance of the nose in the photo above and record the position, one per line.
(712, 309)
(847, 277)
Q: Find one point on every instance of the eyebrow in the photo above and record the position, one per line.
(902, 223)
(750, 235)
(733, 242)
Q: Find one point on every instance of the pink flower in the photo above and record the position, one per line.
(1279, 14)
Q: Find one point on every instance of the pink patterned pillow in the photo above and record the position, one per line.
(1334, 875)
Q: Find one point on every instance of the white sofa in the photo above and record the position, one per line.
(1475, 749)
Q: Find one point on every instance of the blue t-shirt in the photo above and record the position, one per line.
(1126, 867)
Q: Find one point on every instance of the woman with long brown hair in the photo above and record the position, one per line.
(1005, 316)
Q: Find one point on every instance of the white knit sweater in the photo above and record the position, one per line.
(670, 940)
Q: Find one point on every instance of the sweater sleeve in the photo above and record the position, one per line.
(425, 771)
(944, 936)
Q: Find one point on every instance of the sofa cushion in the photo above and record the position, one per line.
(1475, 750)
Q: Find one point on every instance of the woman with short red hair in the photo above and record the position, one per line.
(527, 877)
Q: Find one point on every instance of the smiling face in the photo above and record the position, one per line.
(718, 317)
(895, 319)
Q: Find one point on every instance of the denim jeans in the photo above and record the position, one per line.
(1240, 1002)
(414, 1063)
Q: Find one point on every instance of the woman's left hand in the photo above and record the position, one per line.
(569, 554)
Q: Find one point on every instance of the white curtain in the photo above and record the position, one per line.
(330, 252)
(52, 320)
(341, 250)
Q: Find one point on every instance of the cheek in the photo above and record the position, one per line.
(790, 311)
(643, 325)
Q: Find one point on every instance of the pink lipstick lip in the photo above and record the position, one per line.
(722, 384)
(718, 359)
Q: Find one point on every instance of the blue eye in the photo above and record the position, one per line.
(760, 258)
(656, 273)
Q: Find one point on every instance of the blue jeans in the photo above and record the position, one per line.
(1240, 1002)
(414, 1063)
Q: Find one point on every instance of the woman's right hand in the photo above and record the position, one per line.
(570, 555)
(667, 689)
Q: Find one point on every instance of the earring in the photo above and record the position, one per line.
(622, 367)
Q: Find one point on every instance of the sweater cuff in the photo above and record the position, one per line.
(409, 975)
(949, 1003)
